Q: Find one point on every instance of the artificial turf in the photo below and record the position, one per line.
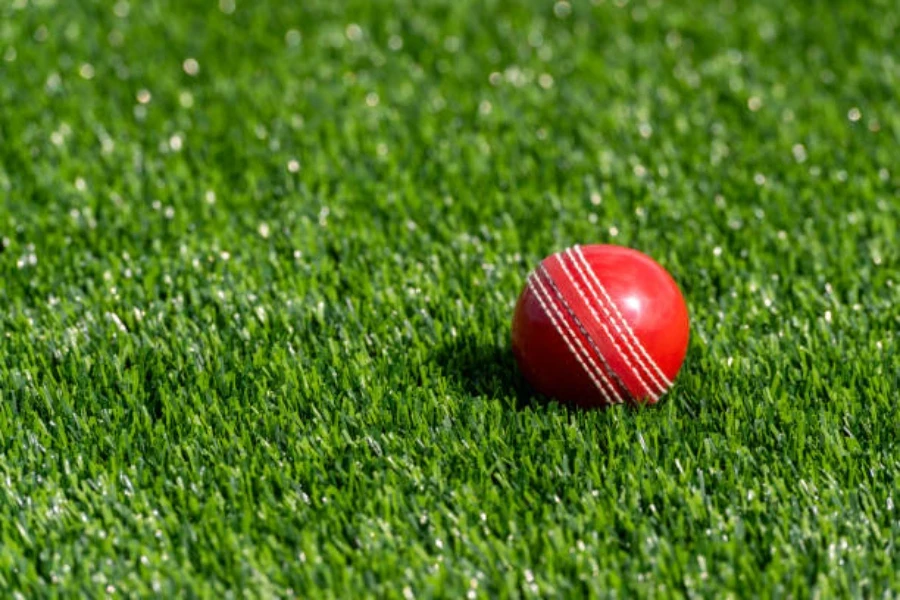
(259, 260)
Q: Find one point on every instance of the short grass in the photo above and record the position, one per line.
(254, 309)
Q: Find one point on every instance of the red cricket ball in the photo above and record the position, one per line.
(599, 325)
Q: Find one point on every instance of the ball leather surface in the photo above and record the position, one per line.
(600, 324)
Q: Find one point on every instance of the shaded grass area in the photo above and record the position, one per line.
(255, 317)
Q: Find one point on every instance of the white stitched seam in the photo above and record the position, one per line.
(608, 372)
(663, 382)
(538, 289)
(606, 330)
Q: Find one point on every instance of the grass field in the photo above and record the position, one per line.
(259, 260)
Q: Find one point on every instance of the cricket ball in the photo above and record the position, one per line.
(600, 324)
